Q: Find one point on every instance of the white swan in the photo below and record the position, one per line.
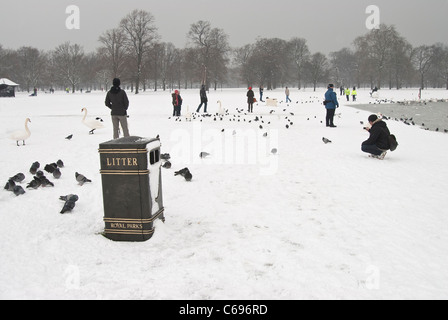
(91, 123)
(221, 110)
(21, 135)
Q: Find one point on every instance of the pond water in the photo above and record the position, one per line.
(429, 115)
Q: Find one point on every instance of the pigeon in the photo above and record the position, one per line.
(165, 156)
(188, 176)
(44, 182)
(57, 173)
(18, 190)
(68, 206)
(204, 155)
(81, 178)
(60, 164)
(34, 167)
(39, 174)
(274, 151)
(167, 165)
(50, 168)
(69, 197)
(69, 137)
(10, 185)
(34, 184)
(326, 141)
(18, 177)
(184, 173)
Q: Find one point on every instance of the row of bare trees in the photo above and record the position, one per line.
(134, 52)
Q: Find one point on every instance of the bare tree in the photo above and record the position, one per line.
(343, 67)
(213, 47)
(30, 66)
(440, 65)
(317, 68)
(423, 58)
(113, 51)
(140, 32)
(376, 48)
(67, 61)
(300, 55)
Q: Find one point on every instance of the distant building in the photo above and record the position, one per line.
(7, 88)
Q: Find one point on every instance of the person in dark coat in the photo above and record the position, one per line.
(250, 100)
(177, 103)
(378, 142)
(117, 100)
(204, 99)
(331, 103)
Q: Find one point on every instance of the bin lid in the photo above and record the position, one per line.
(130, 142)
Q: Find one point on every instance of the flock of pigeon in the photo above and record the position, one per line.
(41, 181)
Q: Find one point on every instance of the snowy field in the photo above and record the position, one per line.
(313, 221)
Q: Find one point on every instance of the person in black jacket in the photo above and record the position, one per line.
(250, 100)
(117, 100)
(378, 142)
(204, 99)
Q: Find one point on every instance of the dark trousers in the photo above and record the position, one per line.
(200, 106)
(372, 149)
(176, 112)
(330, 117)
(250, 107)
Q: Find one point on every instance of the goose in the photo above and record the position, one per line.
(21, 135)
(92, 124)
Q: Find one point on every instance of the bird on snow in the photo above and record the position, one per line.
(204, 155)
(70, 202)
(274, 151)
(326, 141)
(34, 167)
(91, 123)
(18, 177)
(69, 197)
(184, 173)
(10, 185)
(44, 182)
(69, 137)
(21, 135)
(167, 165)
(57, 173)
(60, 164)
(81, 178)
(18, 190)
(34, 184)
(165, 156)
(50, 168)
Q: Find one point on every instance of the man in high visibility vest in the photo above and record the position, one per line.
(354, 94)
(347, 94)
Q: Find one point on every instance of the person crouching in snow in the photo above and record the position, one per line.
(378, 143)
(177, 103)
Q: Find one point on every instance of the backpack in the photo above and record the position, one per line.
(393, 142)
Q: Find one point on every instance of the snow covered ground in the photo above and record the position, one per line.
(314, 221)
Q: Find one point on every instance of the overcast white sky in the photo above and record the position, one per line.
(327, 25)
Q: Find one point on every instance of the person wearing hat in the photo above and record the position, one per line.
(177, 103)
(331, 103)
(250, 100)
(117, 100)
(378, 143)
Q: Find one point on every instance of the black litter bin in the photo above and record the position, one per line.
(132, 188)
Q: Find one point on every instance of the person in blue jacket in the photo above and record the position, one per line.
(331, 103)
